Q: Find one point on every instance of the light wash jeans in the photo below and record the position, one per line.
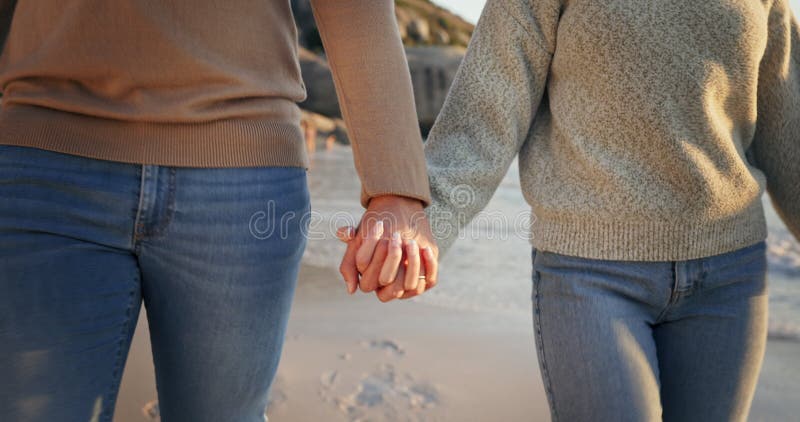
(214, 254)
(650, 341)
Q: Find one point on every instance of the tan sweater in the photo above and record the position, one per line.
(645, 130)
(205, 84)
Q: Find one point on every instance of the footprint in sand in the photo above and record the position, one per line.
(328, 378)
(386, 345)
(150, 410)
(382, 394)
(277, 393)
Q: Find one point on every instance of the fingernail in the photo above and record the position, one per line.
(428, 251)
(378, 230)
(411, 245)
(396, 239)
(399, 294)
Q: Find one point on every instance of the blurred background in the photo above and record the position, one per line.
(465, 350)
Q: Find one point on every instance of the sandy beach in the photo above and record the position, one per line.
(354, 359)
(463, 352)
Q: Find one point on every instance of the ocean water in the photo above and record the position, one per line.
(491, 272)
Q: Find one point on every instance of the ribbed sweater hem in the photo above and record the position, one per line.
(630, 240)
(246, 142)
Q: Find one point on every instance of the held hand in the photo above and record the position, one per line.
(398, 278)
(390, 265)
(416, 275)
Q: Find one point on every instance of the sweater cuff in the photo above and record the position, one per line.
(418, 191)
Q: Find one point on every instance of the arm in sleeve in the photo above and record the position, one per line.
(373, 84)
(489, 110)
(776, 146)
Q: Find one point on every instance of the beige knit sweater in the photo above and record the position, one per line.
(645, 131)
(205, 84)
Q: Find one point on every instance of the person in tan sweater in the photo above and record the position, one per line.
(151, 151)
(646, 134)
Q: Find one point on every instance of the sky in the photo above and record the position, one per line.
(471, 9)
(467, 9)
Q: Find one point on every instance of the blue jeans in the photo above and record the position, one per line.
(650, 341)
(213, 253)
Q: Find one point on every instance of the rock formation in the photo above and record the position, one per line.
(435, 43)
(321, 93)
(420, 21)
(432, 72)
(419, 31)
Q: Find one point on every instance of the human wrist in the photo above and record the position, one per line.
(390, 200)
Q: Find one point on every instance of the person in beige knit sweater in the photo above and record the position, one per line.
(646, 134)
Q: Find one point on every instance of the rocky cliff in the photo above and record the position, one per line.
(421, 23)
(435, 42)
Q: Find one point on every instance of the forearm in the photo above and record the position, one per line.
(487, 115)
(776, 144)
(373, 83)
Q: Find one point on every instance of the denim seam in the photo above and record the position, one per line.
(170, 206)
(674, 294)
(542, 363)
(116, 374)
(701, 282)
(138, 226)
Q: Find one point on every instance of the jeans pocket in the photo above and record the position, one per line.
(746, 266)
